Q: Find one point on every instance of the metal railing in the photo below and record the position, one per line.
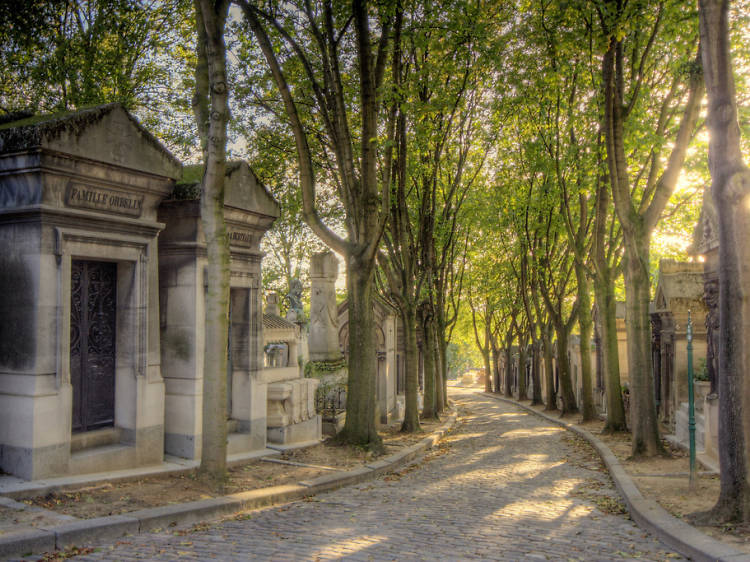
(329, 402)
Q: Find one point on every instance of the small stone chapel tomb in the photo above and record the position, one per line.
(249, 211)
(81, 387)
(679, 291)
(292, 417)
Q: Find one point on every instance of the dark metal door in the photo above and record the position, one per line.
(92, 343)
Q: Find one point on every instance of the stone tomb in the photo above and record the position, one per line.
(81, 388)
(679, 290)
(291, 416)
(249, 212)
(389, 404)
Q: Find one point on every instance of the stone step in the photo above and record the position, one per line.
(239, 443)
(96, 438)
(102, 459)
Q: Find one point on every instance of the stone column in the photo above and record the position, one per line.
(272, 304)
(323, 341)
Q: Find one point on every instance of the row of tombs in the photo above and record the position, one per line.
(102, 284)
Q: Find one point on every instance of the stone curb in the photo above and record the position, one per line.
(684, 538)
(159, 518)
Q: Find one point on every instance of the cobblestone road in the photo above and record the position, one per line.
(506, 485)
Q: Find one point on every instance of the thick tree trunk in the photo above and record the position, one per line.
(495, 386)
(439, 375)
(638, 220)
(489, 379)
(549, 374)
(360, 427)
(487, 365)
(443, 348)
(563, 373)
(604, 293)
(643, 421)
(430, 364)
(585, 325)
(730, 187)
(411, 366)
(536, 391)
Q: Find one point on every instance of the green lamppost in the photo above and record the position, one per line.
(691, 400)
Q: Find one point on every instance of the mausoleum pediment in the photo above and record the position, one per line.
(106, 133)
(243, 190)
(680, 285)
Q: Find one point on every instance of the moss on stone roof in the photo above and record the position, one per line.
(191, 174)
(29, 131)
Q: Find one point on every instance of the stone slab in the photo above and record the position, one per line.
(291, 447)
(307, 431)
(337, 479)
(184, 513)
(26, 542)
(101, 528)
(253, 499)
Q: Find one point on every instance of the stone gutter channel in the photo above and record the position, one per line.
(684, 538)
(78, 532)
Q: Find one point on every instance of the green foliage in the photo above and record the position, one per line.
(318, 369)
(700, 372)
(85, 52)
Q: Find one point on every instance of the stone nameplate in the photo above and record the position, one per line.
(88, 197)
(240, 238)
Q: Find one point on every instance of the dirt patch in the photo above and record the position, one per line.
(113, 498)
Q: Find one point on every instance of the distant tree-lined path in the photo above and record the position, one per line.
(505, 485)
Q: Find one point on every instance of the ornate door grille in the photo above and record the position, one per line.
(92, 343)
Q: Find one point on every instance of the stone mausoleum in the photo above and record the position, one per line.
(291, 413)
(102, 284)
(81, 387)
(249, 211)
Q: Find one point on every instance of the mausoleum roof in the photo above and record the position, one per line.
(243, 189)
(105, 133)
(678, 280)
(275, 322)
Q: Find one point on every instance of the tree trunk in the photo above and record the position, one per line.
(522, 390)
(487, 365)
(430, 364)
(443, 349)
(563, 373)
(638, 221)
(536, 391)
(604, 293)
(549, 374)
(495, 386)
(214, 439)
(585, 325)
(507, 378)
(411, 369)
(361, 426)
(730, 187)
(490, 376)
(365, 193)
(643, 420)
(439, 386)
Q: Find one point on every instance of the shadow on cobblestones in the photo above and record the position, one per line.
(503, 485)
